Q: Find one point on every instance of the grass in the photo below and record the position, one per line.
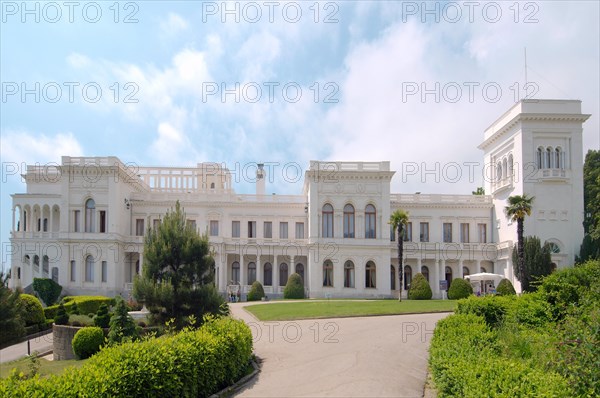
(305, 309)
(46, 367)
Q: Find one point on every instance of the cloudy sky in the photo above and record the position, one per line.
(177, 83)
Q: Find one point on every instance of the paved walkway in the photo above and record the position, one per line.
(383, 356)
(39, 344)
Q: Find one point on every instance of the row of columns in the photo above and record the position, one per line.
(29, 220)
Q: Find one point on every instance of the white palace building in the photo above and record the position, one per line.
(82, 223)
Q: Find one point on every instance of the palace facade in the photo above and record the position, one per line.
(83, 222)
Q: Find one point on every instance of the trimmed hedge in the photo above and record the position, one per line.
(492, 309)
(85, 304)
(419, 288)
(194, 363)
(459, 289)
(505, 288)
(87, 341)
(257, 292)
(33, 313)
(294, 288)
(465, 361)
(47, 289)
(102, 317)
(61, 317)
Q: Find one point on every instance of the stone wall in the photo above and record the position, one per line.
(63, 336)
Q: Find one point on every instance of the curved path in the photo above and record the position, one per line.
(381, 356)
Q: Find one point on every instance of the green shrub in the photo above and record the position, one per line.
(294, 288)
(505, 288)
(33, 312)
(80, 320)
(87, 341)
(85, 304)
(459, 289)
(122, 325)
(62, 317)
(256, 292)
(530, 309)
(47, 289)
(419, 288)
(194, 363)
(74, 309)
(491, 308)
(102, 318)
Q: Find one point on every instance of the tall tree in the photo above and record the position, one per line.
(590, 246)
(479, 191)
(12, 325)
(519, 206)
(398, 220)
(538, 263)
(177, 277)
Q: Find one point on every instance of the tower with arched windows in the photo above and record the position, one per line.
(535, 148)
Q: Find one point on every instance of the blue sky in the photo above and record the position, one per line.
(348, 70)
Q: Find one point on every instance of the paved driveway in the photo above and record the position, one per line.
(383, 356)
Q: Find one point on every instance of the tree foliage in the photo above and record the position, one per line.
(505, 288)
(178, 271)
(122, 325)
(398, 221)
(33, 312)
(590, 247)
(538, 263)
(12, 326)
(61, 318)
(294, 288)
(459, 288)
(47, 289)
(257, 292)
(102, 318)
(519, 207)
(479, 191)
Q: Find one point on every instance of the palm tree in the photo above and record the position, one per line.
(398, 221)
(518, 207)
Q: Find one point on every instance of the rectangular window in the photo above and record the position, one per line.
(424, 232)
(156, 224)
(102, 221)
(447, 232)
(392, 234)
(283, 230)
(235, 229)
(299, 230)
(73, 270)
(76, 217)
(104, 271)
(191, 223)
(408, 232)
(214, 228)
(482, 231)
(464, 232)
(139, 227)
(268, 229)
(252, 229)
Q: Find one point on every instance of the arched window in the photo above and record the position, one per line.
(328, 273)
(498, 171)
(466, 271)
(539, 160)
(36, 263)
(553, 247)
(511, 169)
(235, 272)
(348, 221)
(505, 168)
(348, 274)
(89, 269)
(482, 269)
(407, 276)
(212, 185)
(370, 223)
(448, 276)
(18, 272)
(549, 158)
(55, 274)
(300, 271)
(392, 277)
(26, 260)
(370, 275)
(268, 274)
(558, 158)
(327, 221)
(283, 274)
(425, 272)
(90, 212)
(45, 266)
(251, 273)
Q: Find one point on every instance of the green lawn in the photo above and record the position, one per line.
(308, 309)
(46, 367)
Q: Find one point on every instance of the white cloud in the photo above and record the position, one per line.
(78, 61)
(29, 148)
(172, 147)
(173, 25)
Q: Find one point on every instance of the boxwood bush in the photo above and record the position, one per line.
(47, 289)
(294, 288)
(33, 313)
(419, 288)
(85, 304)
(505, 288)
(257, 292)
(459, 288)
(192, 363)
(87, 341)
(492, 309)
(102, 317)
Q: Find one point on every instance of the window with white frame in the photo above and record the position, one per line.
(89, 269)
(370, 275)
(370, 222)
(447, 232)
(482, 233)
(251, 229)
(283, 230)
(73, 270)
(90, 215)
(104, 271)
(348, 274)
(214, 228)
(268, 230)
(299, 230)
(348, 221)
(464, 232)
(235, 229)
(327, 273)
(327, 220)
(139, 227)
(424, 232)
